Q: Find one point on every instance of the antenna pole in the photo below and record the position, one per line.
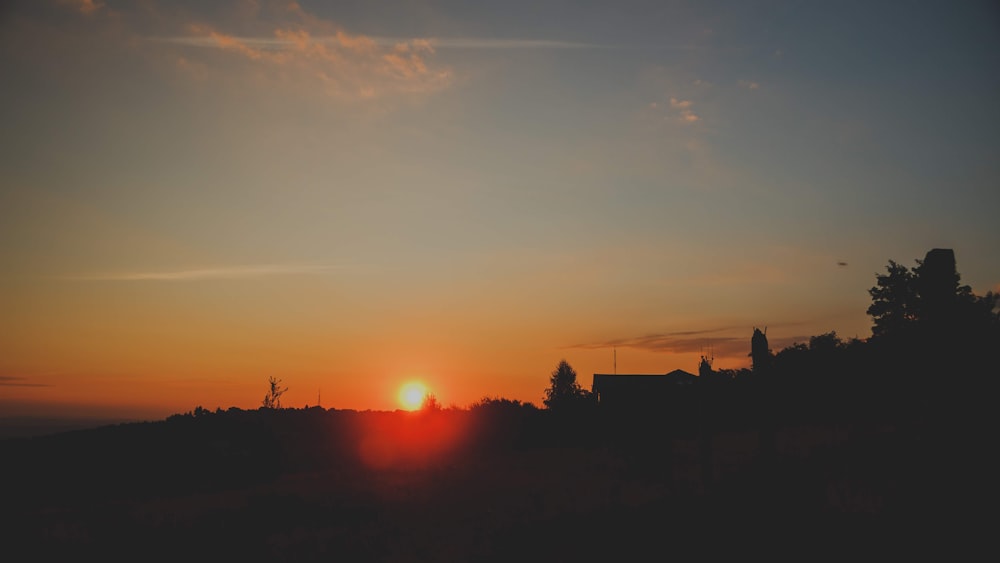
(614, 354)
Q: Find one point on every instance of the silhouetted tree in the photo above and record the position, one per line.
(730, 374)
(564, 391)
(497, 404)
(928, 297)
(272, 400)
(895, 304)
(927, 327)
(827, 343)
(430, 403)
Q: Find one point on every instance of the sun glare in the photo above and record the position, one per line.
(411, 395)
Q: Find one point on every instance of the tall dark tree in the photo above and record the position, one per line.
(564, 391)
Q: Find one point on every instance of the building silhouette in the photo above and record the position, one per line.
(628, 391)
(624, 392)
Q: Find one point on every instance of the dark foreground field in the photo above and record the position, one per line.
(513, 485)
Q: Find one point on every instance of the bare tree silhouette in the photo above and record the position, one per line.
(273, 398)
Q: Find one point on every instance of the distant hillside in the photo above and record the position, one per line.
(29, 426)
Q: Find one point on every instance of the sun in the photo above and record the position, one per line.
(412, 394)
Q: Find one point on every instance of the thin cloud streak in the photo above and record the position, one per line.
(230, 272)
(12, 381)
(682, 342)
(480, 43)
(678, 341)
(284, 43)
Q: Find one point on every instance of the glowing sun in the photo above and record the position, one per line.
(412, 395)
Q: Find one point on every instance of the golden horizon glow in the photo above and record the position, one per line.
(412, 395)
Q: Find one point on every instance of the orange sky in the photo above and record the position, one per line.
(195, 197)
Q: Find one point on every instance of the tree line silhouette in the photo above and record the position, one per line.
(934, 343)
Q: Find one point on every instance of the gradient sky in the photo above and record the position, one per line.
(350, 195)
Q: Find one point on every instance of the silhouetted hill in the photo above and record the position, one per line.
(487, 484)
(28, 426)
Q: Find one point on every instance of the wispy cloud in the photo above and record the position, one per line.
(675, 110)
(343, 65)
(486, 43)
(226, 272)
(279, 43)
(686, 342)
(85, 7)
(684, 109)
(14, 381)
(276, 44)
(678, 342)
(749, 84)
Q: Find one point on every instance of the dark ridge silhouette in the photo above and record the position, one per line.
(28, 426)
(829, 448)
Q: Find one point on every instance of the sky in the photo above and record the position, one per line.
(352, 195)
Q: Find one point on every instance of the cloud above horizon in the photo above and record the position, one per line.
(687, 342)
(227, 273)
(678, 341)
(85, 7)
(15, 381)
(272, 44)
(280, 42)
(342, 65)
(685, 110)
